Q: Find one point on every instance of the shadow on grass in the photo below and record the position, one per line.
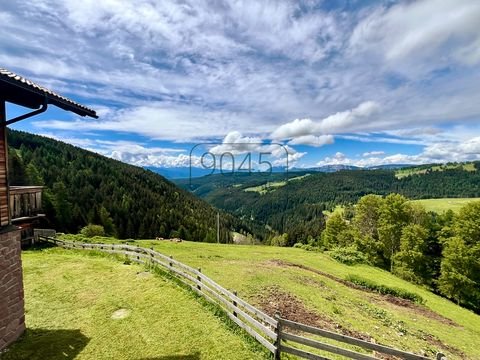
(194, 356)
(41, 344)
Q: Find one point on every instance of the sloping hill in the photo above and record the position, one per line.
(312, 288)
(91, 307)
(84, 187)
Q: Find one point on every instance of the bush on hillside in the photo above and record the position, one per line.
(349, 255)
(279, 240)
(93, 230)
(307, 247)
(383, 289)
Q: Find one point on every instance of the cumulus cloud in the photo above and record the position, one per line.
(237, 145)
(337, 159)
(339, 122)
(312, 140)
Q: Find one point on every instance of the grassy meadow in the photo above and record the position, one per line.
(71, 297)
(444, 204)
(80, 306)
(419, 170)
(308, 287)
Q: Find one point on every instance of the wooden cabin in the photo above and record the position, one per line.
(20, 206)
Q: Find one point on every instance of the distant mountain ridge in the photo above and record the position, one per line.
(186, 172)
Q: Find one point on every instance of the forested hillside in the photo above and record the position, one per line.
(437, 250)
(296, 208)
(83, 187)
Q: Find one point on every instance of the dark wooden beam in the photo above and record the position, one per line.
(4, 192)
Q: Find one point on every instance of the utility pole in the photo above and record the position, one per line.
(218, 228)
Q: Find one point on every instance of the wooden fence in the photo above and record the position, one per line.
(284, 335)
(272, 332)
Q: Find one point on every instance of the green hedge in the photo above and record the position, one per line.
(385, 290)
(348, 256)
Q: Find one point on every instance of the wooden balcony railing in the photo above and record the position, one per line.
(25, 202)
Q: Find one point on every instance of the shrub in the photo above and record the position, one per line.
(306, 247)
(349, 255)
(279, 240)
(93, 230)
(383, 289)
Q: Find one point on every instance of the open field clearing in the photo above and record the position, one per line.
(92, 307)
(442, 205)
(270, 186)
(401, 173)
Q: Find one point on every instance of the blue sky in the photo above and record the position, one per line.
(348, 82)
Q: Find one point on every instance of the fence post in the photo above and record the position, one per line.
(170, 263)
(199, 279)
(234, 303)
(278, 331)
(441, 356)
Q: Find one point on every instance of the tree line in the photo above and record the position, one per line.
(297, 208)
(440, 251)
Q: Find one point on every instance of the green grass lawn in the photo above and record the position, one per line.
(444, 204)
(262, 275)
(71, 297)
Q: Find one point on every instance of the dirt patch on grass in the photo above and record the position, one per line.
(432, 340)
(274, 300)
(404, 303)
(415, 308)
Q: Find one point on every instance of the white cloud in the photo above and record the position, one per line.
(158, 121)
(373, 153)
(237, 144)
(133, 152)
(338, 159)
(312, 140)
(198, 70)
(441, 152)
(383, 139)
(417, 32)
(339, 122)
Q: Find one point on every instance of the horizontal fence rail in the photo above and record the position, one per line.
(270, 332)
(283, 324)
